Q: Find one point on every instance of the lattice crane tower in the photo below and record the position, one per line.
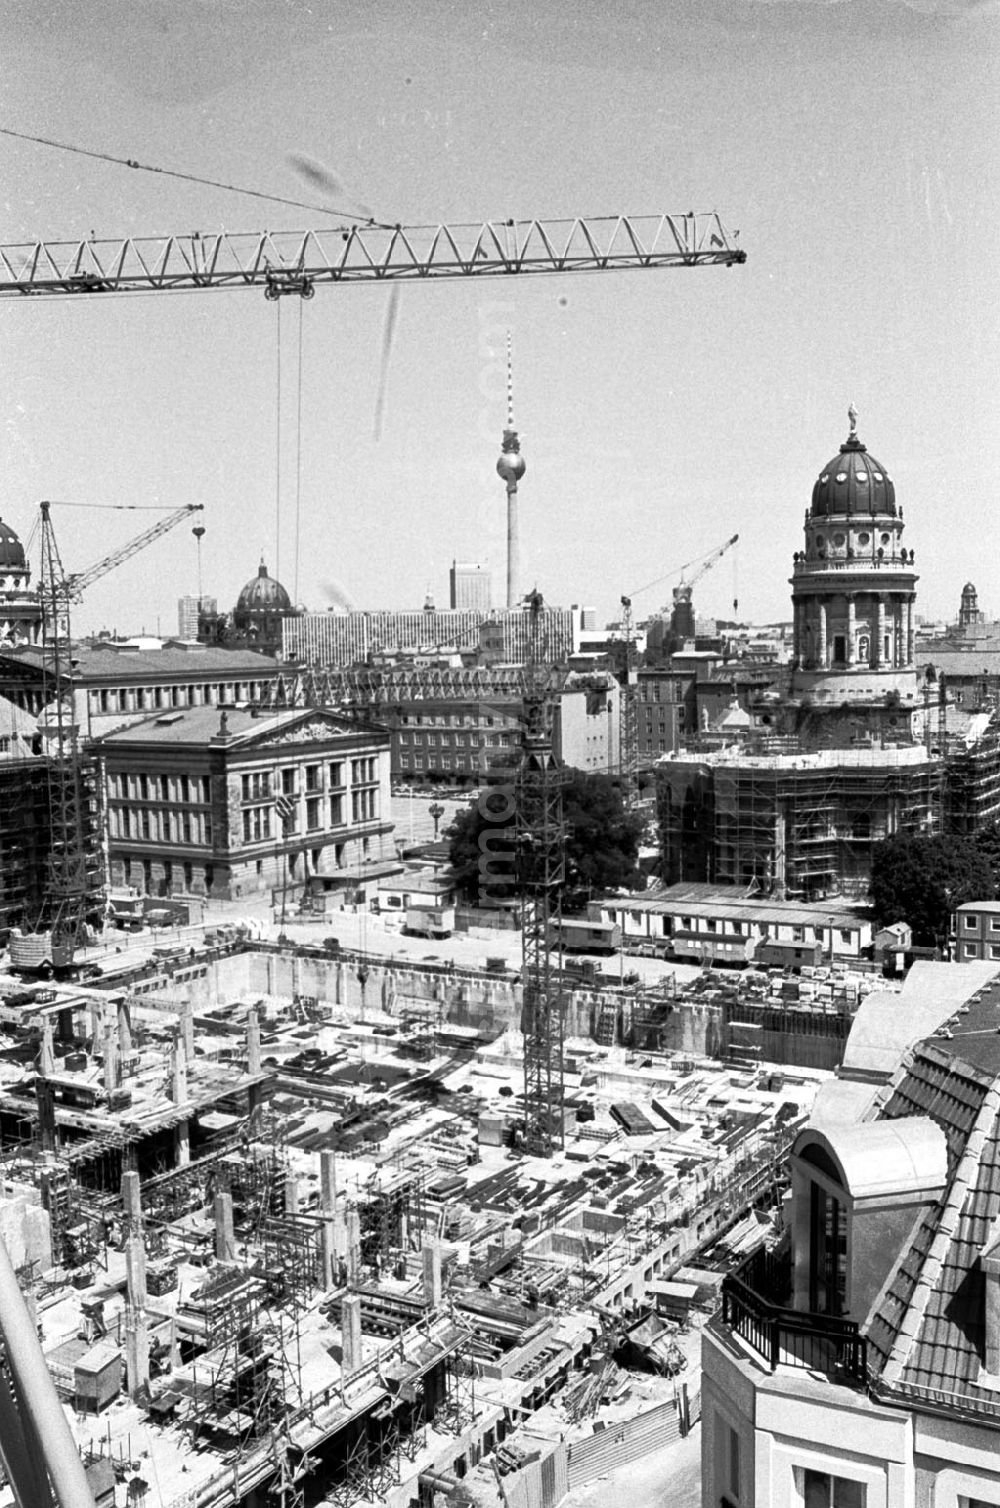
(541, 836)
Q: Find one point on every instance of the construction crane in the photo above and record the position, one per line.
(72, 587)
(682, 617)
(628, 711)
(540, 848)
(74, 885)
(296, 262)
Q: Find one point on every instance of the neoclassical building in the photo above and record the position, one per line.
(853, 591)
(20, 608)
(833, 761)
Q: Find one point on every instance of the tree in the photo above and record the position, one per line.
(602, 839)
(921, 880)
(987, 841)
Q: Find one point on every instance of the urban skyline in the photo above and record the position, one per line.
(665, 409)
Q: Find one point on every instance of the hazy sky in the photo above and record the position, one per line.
(853, 145)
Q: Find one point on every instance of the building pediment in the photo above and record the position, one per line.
(310, 728)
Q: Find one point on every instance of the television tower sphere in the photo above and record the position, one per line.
(511, 466)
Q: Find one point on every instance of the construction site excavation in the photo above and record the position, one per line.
(277, 1227)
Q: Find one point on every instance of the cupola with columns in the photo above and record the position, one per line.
(853, 586)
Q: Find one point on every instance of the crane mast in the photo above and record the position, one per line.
(540, 847)
(74, 884)
(629, 711)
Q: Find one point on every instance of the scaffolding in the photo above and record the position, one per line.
(232, 1397)
(972, 782)
(541, 841)
(793, 826)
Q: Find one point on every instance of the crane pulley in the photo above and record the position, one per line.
(295, 262)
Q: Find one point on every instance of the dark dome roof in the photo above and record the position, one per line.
(853, 482)
(11, 549)
(263, 594)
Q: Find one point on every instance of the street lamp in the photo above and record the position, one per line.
(436, 811)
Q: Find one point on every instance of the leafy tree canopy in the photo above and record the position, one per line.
(921, 880)
(602, 839)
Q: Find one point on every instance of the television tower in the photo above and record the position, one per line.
(510, 469)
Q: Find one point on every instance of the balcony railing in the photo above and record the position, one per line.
(859, 563)
(792, 1338)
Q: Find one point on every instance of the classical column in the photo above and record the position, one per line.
(879, 634)
(909, 631)
(822, 635)
(851, 627)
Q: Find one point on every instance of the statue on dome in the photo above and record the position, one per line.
(852, 415)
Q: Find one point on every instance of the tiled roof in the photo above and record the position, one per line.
(933, 1082)
(103, 662)
(936, 1291)
(926, 1328)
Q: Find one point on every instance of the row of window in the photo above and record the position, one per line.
(163, 827)
(180, 789)
(457, 740)
(414, 763)
(157, 698)
(972, 951)
(261, 785)
(971, 923)
(457, 720)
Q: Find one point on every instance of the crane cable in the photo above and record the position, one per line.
(277, 444)
(229, 188)
(298, 458)
(297, 446)
(716, 549)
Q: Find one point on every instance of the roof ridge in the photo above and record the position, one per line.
(930, 1270)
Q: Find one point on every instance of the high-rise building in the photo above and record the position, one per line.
(188, 612)
(469, 586)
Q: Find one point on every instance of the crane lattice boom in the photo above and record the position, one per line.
(74, 585)
(296, 261)
(706, 565)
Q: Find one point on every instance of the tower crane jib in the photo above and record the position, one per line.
(297, 262)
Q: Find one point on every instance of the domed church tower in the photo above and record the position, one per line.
(853, 591)
(20, 609)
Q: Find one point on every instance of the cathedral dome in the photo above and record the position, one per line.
(854, 483)
(263, 594)
(11, 549)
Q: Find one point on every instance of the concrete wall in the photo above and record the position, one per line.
(478, 1002)
(490, 1005)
